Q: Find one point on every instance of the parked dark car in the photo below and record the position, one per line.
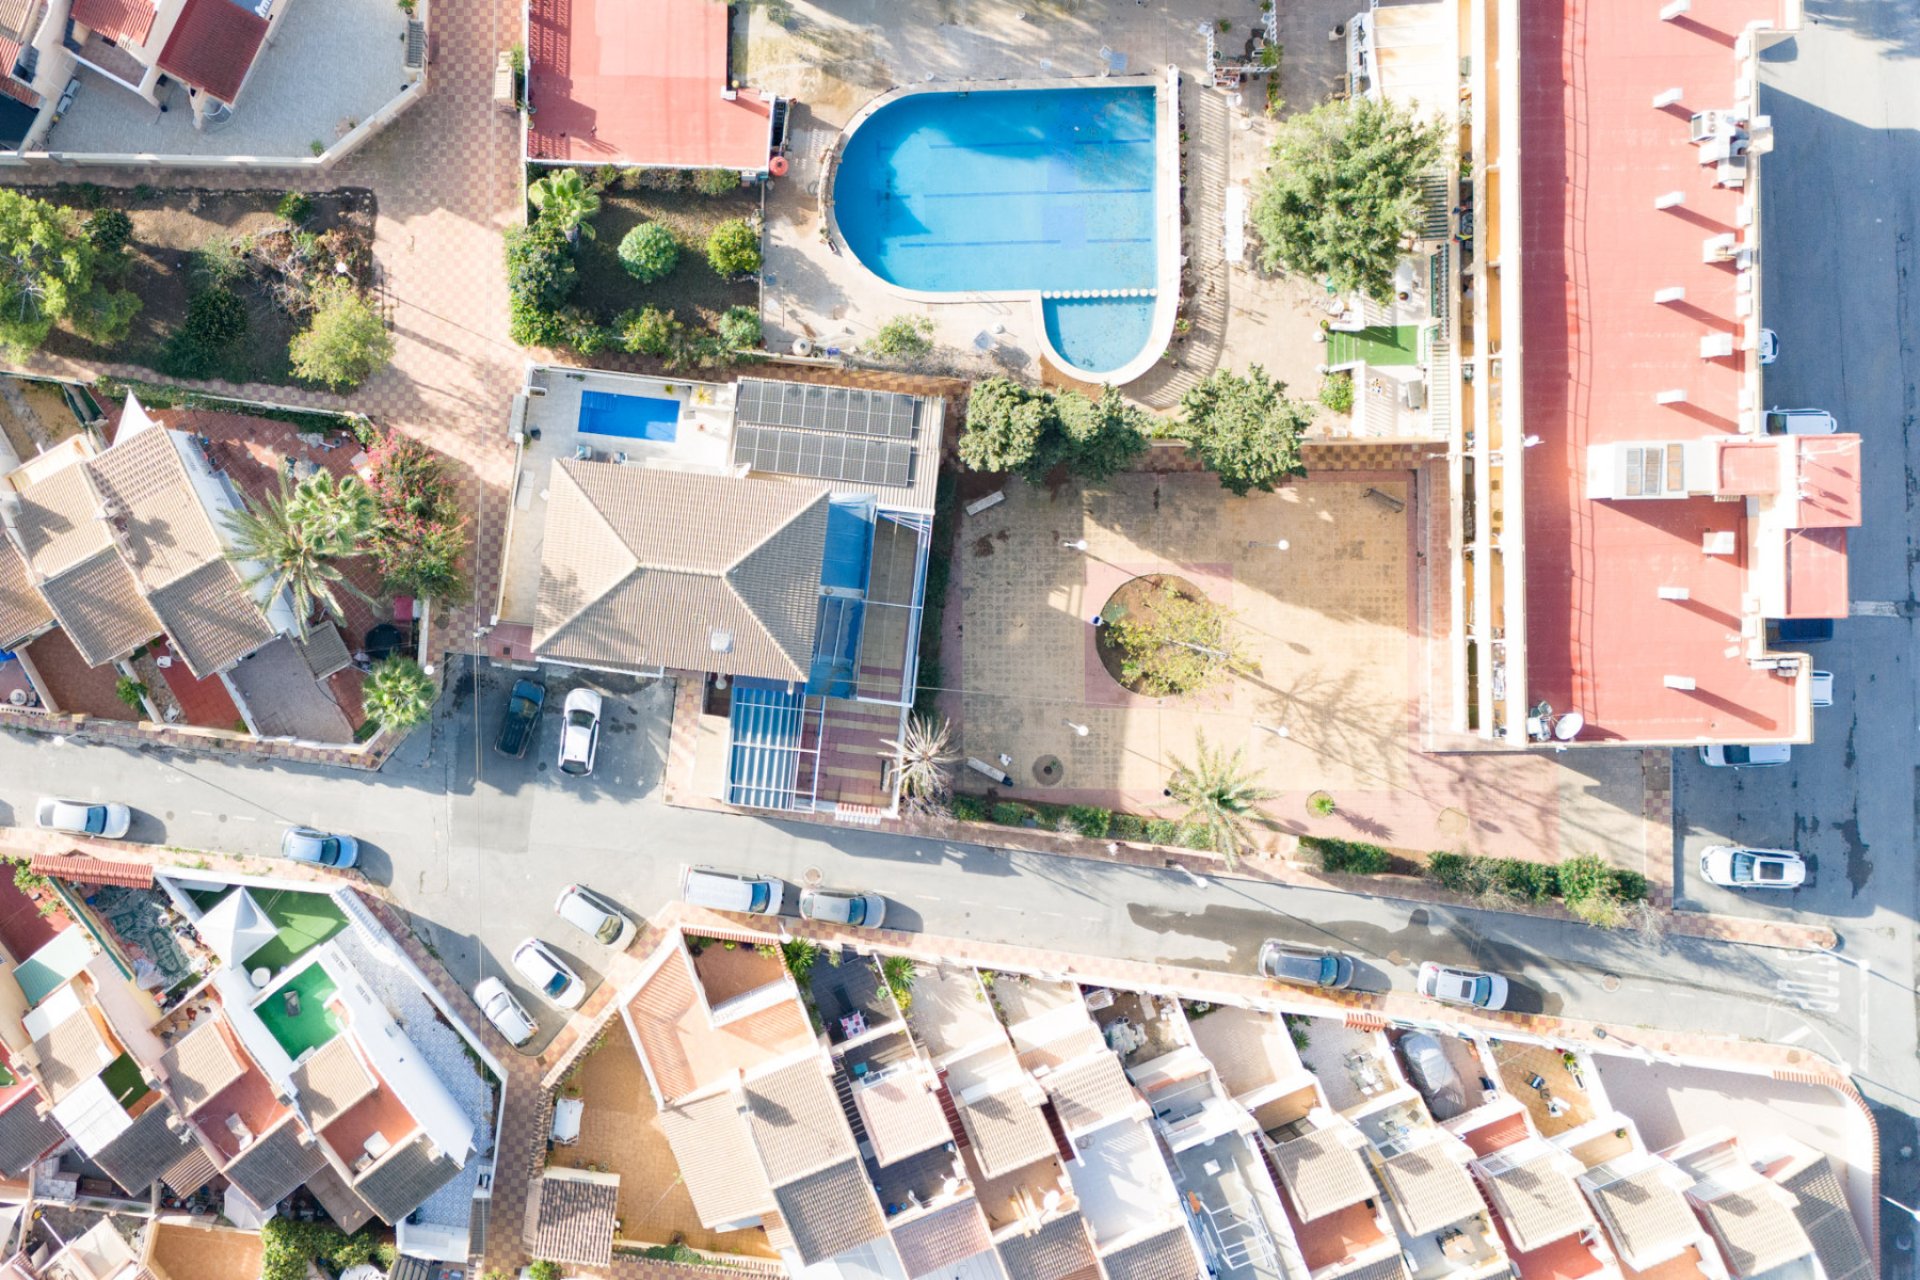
(523, 713)
(1801, 630)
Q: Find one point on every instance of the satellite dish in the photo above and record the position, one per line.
(1568, 727)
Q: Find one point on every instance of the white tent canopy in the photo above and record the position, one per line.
(237, 927)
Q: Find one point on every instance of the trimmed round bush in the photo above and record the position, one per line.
(734, 248)
(649, 252)
(739, 327)
(648, 332)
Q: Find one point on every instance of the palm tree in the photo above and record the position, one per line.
(399, 694)
(1220, 797)
(336, 510)
(921, 757)
(564, 196)
(288, 553)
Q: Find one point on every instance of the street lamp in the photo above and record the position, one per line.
(1074, 544)
(1277, 730)
(1281, 545)
(1079, 730)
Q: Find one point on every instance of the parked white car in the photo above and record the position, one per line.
(1734, 866)
(594, 916)
(1737, 757)
(1469, 987)
(79, 818)
(1769, 346)
(548, 974)
(1800, 422)
(1823, 688)
(508, 1016)
(837, 906)
(580, 732)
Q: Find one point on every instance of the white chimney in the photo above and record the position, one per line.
(1673, 9)
(1674, 293)
(1683, 683)
(1670, 200)
(1675, 593)
(1666, 98)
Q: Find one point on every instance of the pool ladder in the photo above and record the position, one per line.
(1050, 294)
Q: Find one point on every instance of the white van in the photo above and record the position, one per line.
(1800, 422)
(730, 891)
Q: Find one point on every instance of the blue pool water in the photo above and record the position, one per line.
(1002, 190)
(604, 413)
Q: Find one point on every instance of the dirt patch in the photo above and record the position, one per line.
(34, 416)
(168, 226)
(694, 292)
(1138, 600)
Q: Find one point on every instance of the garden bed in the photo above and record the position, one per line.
(1139, 601)
(694, 292)
(169, 227)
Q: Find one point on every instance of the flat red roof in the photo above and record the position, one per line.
(639, 82)
(1595, 154)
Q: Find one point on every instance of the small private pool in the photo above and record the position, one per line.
(313, 1024)
(1053, 194)
(629, 417)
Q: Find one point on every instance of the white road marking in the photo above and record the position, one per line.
(1797, 1036)
(1866, 982)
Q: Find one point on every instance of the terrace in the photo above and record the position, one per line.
(296, 1012)
(1022, 1194)
(1352, 1065)
(1553, 1089)
(1020, 997)
(300, 922)
(1280, 1119)
(950, 1011)
(1252, 1052)
(850, 997)
(1139, 1027)
(1337, 1238)
(1121, 1180)
(236, 1116)
(1468, 1067)
(1227, 1186)
(727, 971)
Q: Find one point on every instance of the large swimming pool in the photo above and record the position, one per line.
(1048, 192)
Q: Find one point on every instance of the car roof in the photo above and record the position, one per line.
(582, 699)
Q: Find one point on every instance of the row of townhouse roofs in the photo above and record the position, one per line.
(211, 1047)
(1023, 1127)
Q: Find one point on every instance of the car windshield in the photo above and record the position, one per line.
(1482, 989)
(1329, 970)
(580, 720)
(573, 766)
(557, 983)
(330, 851)
(759, 900)
(856, 910)
(609, 929)
(1737, 755)
(96, 819)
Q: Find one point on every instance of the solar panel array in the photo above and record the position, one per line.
(824, 457)
(849, 410)
(825, 433)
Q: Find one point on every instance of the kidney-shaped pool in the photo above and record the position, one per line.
(1052, 194)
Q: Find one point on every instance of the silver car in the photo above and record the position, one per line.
(79, 818)
(594, 916)
(1304, 966)
(548, 974)
(506, 1014)
(580, 732)
(837, 906)
(1470, 987)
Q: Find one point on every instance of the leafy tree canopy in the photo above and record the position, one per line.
(1343, 192)
(48, 266)
(1011, 427)
(345, 343)
(1245, 428)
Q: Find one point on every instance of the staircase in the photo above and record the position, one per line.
(951, 1112)
(843, 1085)
(1436, 217)
(1440, 388)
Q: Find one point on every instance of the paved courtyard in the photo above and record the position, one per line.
(1330, 626)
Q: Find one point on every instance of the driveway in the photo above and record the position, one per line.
(1839, 194)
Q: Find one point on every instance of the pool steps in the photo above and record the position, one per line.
(1099, 293)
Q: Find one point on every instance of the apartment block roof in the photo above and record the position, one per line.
(213, 45)
(200, 1065)
(718, 1162)
(1167, 1256)
(1537, 1200)
(1647, 1216)
(830, 1211)
(1323, 1172)
(1431, 1190)
(574, 1217)
(643, 567)
(1057, 1251)
(796, 1121)
(944, 1238)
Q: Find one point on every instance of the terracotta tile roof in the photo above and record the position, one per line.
(643, 568)
(1090, 1091)
(1167, 1256)
(1647, 1216)
(685, 1052)
(902, 1115)
(1756, 1230)
(85, 869)
(796, 1121)
(24, 1133)
(146, 1149)
(23, 610)
(943, 1238)
(330, 1082)
(213, 46)
(1323, 1173)
(190, 1172)
(100, 607)
(1007, 1131)
(1538, 1202)
(831, 1211)
(210, 618)
(277, 1162)
(1820, 1207)
(400, 1180)
(200, 1065)
(1081, 1039)
(1054, 1252)
(71, 1054)
(1431, 1190)
(122, 21)
(718, 1163)
(59, 520)
(574, 1217)
(348, 1211)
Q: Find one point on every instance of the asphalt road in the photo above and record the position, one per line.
(478, 846)
(1840, 202)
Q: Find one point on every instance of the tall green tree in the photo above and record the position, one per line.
(50, 272)
(1245, 428)
(399, 694)
(346, 340)
(1342, 194)
(1220, 796)
(336, 511)
(1011, 427)
(565, 198)
(284, 553)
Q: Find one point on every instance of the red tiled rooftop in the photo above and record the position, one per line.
(379, 1112)
(1684, 1267)
(613, 81)
(70, 682)
(122, 21)
(251, 1097)
(1503, 1132)
(206, 703)
(83, 869)
(23, 930)
(1599, 350)
(1564, 1259)
(1816, 573)
(1829, 481)
(213, 46)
